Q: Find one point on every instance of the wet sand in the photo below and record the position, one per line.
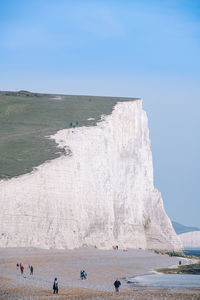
(102, 267)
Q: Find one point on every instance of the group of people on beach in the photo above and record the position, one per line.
(21, 267)
(83, 275)
(115, 247)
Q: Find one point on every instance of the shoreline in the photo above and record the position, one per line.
(102, 267)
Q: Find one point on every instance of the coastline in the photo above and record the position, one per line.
(102, 267)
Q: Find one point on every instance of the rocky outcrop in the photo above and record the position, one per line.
(99, 193)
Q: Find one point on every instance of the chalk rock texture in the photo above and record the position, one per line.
(100, 193)
(190, 239)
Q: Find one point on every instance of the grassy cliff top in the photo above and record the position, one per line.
(26, 118)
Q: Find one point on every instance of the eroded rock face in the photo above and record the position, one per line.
(190, 239)
(100, 193)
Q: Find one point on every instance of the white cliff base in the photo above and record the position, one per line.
(190, 239)
(100, 193)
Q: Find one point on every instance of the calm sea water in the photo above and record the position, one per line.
(192, 251)
(170, 280)
(167, 280)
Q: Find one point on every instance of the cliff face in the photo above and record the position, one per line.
(190, 239)
(100, 193)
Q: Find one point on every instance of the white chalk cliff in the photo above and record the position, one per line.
(99, 194)
(190, 239)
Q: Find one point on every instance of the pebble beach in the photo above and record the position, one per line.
(102, 267)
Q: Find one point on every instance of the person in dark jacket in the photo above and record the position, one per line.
(84, 275)
(31, 270)
(81, 274)
(117, 284)
(55, 286)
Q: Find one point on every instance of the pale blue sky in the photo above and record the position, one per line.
(148, 49)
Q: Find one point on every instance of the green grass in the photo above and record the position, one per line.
(27, 118)
(185, 269)
(171, 253)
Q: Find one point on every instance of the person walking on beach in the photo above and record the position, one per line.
(117, 284)
(55, 286)
(31, 270)
(84, 275)
(22, 269)
(81, 274)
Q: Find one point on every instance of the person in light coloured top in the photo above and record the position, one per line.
(55, 286)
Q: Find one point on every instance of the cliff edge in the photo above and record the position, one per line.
(190, 239)
(99, 193)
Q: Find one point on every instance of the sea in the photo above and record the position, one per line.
(166, 280)
(192, 251)
(169, 280)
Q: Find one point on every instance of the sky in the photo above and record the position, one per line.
(139, 48)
